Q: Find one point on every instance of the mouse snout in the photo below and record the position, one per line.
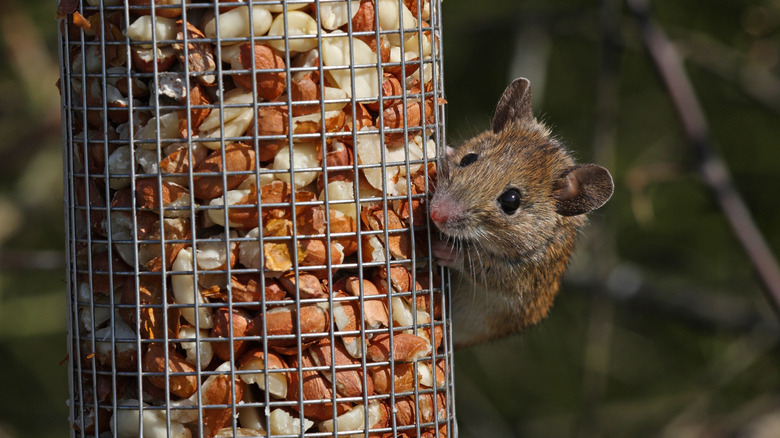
(444, 210)
(438, 215)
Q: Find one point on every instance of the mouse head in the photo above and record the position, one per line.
(515, 188)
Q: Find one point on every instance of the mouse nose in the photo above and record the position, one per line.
(444, 211)
(438, 215)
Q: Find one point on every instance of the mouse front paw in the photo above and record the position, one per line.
(445, 254)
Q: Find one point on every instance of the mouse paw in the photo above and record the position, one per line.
(445, 254)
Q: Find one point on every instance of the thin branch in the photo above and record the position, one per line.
(755, 80)
(733, 363)
(41, 260)
(692, 305)
(712, 167)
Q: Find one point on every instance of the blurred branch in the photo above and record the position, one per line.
(32, 260)
(756, 80)
(713, 169)
(700, 308)
(735, 361)
(628, 285)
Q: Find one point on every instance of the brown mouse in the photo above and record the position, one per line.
(510, 203)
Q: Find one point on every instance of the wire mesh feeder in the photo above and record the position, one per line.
(248, 245)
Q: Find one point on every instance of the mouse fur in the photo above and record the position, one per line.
(509, 218)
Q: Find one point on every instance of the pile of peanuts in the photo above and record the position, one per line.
(248, 218)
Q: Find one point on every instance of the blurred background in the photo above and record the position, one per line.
(661, 329)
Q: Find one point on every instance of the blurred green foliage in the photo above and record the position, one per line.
(661, 328)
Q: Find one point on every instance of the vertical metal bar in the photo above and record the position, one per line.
(71, 259)
(440, 139)
(89, 219)
(106, 177)
(131, 136)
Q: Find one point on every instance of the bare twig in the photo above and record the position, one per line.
(712, 167)
(753, 78)
(740, 356)
(698, 308)
(31, 260)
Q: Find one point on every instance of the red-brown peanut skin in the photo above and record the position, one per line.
(238, 157)
(315, 388)
(240, 320)
(270, 84)
(180, 385)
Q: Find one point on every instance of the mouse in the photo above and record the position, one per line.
(509, 204)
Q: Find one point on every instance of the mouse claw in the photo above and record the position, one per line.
(445, 254)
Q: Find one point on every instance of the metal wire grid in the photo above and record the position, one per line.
(103, 388)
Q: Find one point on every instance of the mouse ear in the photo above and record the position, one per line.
(515, 104)
(583, 188)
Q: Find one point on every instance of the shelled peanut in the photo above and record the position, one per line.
(220, 243)
(330, 368)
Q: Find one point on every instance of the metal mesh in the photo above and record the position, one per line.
(247, 238)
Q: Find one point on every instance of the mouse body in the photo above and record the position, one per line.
(509, 204)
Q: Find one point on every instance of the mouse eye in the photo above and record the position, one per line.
(510, 201)
(468, 159)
